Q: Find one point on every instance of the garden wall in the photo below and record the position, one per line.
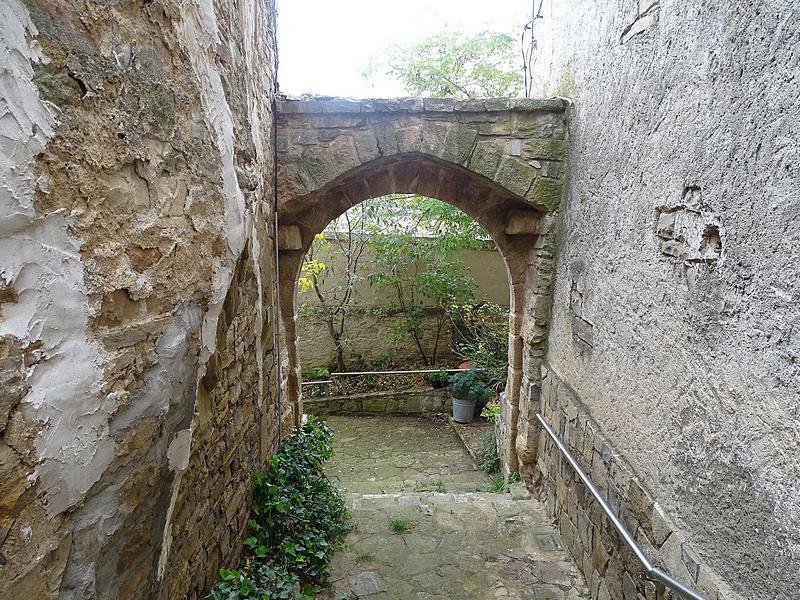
(408, 402)
(137, 329)
(374, 333)
(676, 300)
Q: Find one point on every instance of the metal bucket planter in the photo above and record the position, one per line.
(463, 410)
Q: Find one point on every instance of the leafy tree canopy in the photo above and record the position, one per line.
(452, 65)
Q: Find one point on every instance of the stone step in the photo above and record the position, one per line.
(355, 501)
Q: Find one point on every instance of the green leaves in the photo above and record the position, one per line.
(299, 518)
(483, 337)
(451, 65)
(471, 385)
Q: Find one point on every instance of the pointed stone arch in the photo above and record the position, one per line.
(498, 160)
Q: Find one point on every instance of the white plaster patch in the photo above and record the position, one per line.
(178, 452)
(43, 261)
(26, 123)
(199, 35)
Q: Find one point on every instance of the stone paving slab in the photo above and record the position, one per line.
(475, 545)
(449, 545)
(389, 454)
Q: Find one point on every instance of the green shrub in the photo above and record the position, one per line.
(437, 379)
(471, 385)
(260, 579)
(298, 519)
(316, 373)
(482, 336)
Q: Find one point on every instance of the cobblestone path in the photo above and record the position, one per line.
(425, 528)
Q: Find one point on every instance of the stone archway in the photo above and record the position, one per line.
(498, 160)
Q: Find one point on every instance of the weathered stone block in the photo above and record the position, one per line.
(290, 237)
(323, 164)
(485, 158)
(434, 137)
(546, 192)
(438, 104)
(459, 144)
(367, 145)
(409, 138)
(547, 149)
(469, 106)
(515, 175)
(523, 222)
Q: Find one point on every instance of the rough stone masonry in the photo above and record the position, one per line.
(137, 318)
(651, 244)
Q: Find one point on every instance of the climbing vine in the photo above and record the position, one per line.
(298, 519)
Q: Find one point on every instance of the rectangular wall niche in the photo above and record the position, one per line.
(582, 328)
(688, 233)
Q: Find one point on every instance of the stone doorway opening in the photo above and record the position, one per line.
(298, 230)
(498, 161)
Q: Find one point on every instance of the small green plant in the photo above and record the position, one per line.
(488, 459)
(298, 519)
(400, 525)
(471, 385)
(365, 557)
(438, 379)
(316, 373)
(491, 411)
(497, 483)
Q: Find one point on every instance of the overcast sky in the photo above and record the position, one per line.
(324, 46)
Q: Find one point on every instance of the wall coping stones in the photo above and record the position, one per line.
(420, 401)
(309, 104)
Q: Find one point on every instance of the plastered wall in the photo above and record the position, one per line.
(374, 333)
(675, 312)
(136, 291)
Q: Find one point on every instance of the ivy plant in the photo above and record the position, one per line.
(298, 519)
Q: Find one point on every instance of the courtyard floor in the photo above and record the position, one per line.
(426, 528)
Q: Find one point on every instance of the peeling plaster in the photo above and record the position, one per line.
(178, 453)
(199, 35)
(42, 261)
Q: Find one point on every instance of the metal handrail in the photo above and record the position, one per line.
(652, 573)
(401, 372)
(414, 372)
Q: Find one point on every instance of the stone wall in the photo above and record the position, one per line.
(676, 304)
(407, 402)
(136, 291)
(499, 160)
(374, 339)
(610, 568)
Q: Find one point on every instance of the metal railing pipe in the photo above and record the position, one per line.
(415, 371)
(652, 573)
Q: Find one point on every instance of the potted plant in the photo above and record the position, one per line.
(438, 379)
(468, 388)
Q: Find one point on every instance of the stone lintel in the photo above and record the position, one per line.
(331, 105)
